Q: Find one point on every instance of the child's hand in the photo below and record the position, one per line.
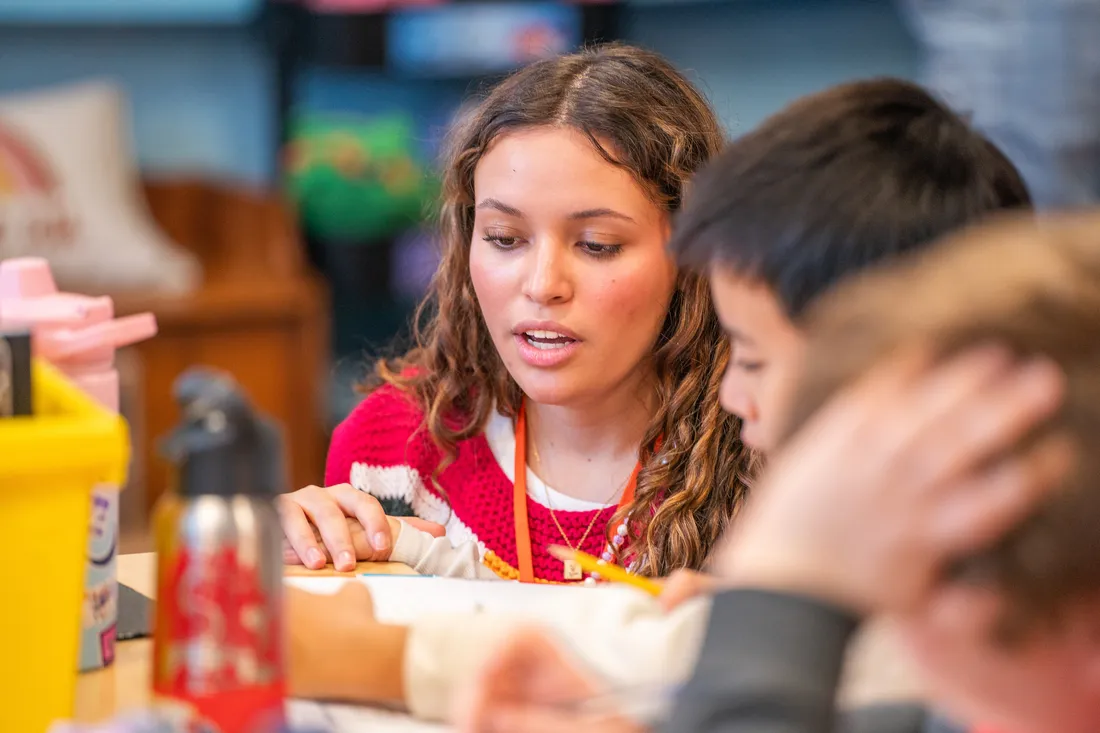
(915, 465)
(530, 686)
(340, 523)
(337, 650)
(683, 585)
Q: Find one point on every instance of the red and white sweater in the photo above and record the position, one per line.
(382, 448)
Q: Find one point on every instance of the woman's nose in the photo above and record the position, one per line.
(548, 279)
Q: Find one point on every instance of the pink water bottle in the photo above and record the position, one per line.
(79, 335)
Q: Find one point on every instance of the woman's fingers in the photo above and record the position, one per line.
(368, 511)
(359, 541)
(299, 533)
(328, 517)
(290, 556)
(342, 523)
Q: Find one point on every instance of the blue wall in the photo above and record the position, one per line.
(202, 102)
(754, 56)
(127, 11)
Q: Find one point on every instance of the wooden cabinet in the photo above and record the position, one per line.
(262, 315)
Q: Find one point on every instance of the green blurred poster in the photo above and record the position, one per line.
(357, 178)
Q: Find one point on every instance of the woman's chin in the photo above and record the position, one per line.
(558, 390)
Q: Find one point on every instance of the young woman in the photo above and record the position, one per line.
(564, 385)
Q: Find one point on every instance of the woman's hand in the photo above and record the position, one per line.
(340, 523)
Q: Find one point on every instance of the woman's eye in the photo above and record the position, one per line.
(600, 250)
(749, 367)
(501, 242)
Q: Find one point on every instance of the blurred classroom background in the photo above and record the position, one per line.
(288, 149)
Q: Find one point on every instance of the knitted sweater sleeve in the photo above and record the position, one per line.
(430, 555)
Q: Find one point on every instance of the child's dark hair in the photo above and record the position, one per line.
(838, 181)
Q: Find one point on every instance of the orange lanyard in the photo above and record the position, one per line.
(519, 501)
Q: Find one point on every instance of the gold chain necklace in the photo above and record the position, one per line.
(572, 569)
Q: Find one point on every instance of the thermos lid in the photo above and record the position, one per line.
(221, 446)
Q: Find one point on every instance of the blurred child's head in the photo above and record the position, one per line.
(556, 286)
(837, 182)
(1015, 641)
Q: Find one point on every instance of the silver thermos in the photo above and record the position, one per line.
(218, 641)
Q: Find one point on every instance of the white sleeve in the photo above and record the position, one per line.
(622, 635)
(430, 555)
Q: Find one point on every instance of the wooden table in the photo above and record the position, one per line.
(125, 685)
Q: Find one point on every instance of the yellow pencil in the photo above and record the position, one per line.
(607, 571)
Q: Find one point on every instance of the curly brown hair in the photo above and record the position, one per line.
(658, 127)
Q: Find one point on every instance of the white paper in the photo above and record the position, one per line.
(399, 599)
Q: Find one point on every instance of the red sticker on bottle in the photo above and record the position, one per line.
(218, 661)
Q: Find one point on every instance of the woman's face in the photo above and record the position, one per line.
(569, 265)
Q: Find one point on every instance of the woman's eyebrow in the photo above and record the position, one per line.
(501, 207)
(600, 214)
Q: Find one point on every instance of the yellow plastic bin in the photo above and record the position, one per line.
(48, 466)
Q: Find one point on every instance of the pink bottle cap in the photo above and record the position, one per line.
(70, 330)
